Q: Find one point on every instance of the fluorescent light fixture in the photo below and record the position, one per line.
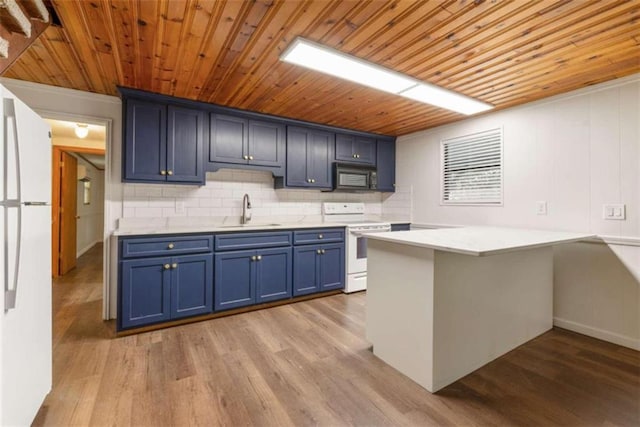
(435, 95)
(330, 61)
(82, 130)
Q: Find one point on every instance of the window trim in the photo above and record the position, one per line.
(445, 141)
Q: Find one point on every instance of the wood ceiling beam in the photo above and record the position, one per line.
(20, 25)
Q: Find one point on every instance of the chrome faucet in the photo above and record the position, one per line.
(246, 205)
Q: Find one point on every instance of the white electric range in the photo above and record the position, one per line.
(352, 214)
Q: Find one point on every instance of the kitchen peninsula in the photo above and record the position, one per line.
(442, 303)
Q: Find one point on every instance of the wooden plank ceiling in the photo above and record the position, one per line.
(226, 52)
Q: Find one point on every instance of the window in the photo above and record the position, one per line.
(472, 169)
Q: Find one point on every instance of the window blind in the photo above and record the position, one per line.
(472, 168)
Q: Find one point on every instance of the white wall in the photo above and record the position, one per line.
(577, 152)
(90, 224)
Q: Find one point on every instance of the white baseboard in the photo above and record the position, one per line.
(623, 340)
(86, 248)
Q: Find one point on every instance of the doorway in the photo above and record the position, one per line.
(78, 164)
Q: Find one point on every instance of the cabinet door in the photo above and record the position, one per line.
(145, 291)
(145, 145)
(185, 133)
(273, 274)
(355, 149)
(344, 147)
(386, 166)
(234, 284)
(266, 144)
(365, 150)
(297, 157)
(331, 271)
(228, 139)
(305, 270)
(320, 148)
(191, 285)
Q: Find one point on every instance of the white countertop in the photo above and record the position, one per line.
(183, 225)
(479, 241)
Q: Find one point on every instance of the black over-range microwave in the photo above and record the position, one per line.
(354, 177)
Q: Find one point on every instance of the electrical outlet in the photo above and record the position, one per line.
(180, 207)
(614, 211)
(541, 207)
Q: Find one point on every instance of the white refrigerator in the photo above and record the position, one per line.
(25, 262)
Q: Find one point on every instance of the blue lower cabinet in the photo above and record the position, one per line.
(318, 268)
(306, 265)
(145, 292)
(234, 280)
(191, 285)
(331, 274)
(273, 274)
(251, 277)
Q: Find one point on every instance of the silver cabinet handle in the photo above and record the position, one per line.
(322, 251)
(357, 156)
(250, 157)
(169, 172)
(318, 251)
(167, 266)
(309, 180)
(245, 157)
(163, 172)
(354, 156)
(259, 257)
(170, 246)
(174, 265)
(254, 258)
(320, 236)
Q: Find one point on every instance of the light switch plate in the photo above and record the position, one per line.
(541, 207)
(614, 211)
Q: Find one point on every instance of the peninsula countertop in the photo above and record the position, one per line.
(479, 241)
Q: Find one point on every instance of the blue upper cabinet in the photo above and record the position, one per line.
(145, 151)
(185, 142)
(228, 139)
(266, 144)
(355, 149)
(309, 157)
(163, 143)
(386, 165)
(253, 143)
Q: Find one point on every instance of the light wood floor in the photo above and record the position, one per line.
(309, 364)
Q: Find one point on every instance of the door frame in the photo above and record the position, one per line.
(109, 189)
(56, 150)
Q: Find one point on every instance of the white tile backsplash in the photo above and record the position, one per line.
(223, 192)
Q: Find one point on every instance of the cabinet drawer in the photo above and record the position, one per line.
(235, 241)
(155, 246)
(319, 235)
